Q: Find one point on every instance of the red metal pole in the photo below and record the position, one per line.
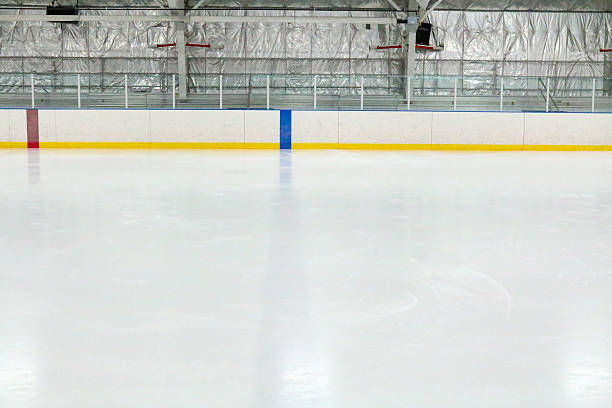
(388, 47)
(198, 45)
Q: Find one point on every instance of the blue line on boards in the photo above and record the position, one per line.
(285, 129)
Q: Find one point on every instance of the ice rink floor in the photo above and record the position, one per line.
(248, 279)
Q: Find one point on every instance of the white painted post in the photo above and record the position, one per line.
(361, 93)
(220, 91)
(547, 94)
(173, 91)
(181, 58)
(79, 90)
(455, 96)
(178, 7)
(408, 93)
(593, 97)
(314, 80)
(501, 96)
(411, 52)
(125, 89)
(268, 92)
(32, 88)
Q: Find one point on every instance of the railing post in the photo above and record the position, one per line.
(32, 88)
(547, 94)
(268, 92)
(408, 93)
(362, 93)
(501, 96)
(220, 91)
(125, 89)
(455, 96)
(79, 90)
(593, 97)
(173, 91)
(314, 80)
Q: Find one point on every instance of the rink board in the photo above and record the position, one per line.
(260, 129)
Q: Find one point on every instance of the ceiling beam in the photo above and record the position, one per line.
(179, 11)
(202, 19)
(429, 10)
(394, 5)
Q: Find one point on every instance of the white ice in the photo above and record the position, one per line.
(184, 279)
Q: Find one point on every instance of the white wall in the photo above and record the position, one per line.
(385, 127)
(185, 126)
(5, 126)
(452, 128)
(356, 127)
(46, 126)
(261, 126)
(159, 126)
(568, 129)
(315, 126)
(99, 125)
(325, 127)
(477, 128)
(13, 125)
(18, 123)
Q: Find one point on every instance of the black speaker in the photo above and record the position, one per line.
(62, 11)
(423, 34)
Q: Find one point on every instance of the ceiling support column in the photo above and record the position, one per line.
(180, 47)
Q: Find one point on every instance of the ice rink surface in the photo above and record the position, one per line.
(184, 279)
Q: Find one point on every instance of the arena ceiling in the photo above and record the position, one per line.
(382, 5)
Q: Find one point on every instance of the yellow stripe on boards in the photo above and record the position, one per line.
(215, 146)
(13, 145)
(395, 146)
(157, 145)
(315, 146)
(478, 147)
(451, 147)
(303, 146)
(568, 148)
(147, 145)
(265, 146)
(94, 145)
(383, 146)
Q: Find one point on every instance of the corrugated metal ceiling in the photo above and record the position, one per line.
(535, 5)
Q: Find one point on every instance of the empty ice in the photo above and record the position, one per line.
(305, 279)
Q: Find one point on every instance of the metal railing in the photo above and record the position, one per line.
(298, 91)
